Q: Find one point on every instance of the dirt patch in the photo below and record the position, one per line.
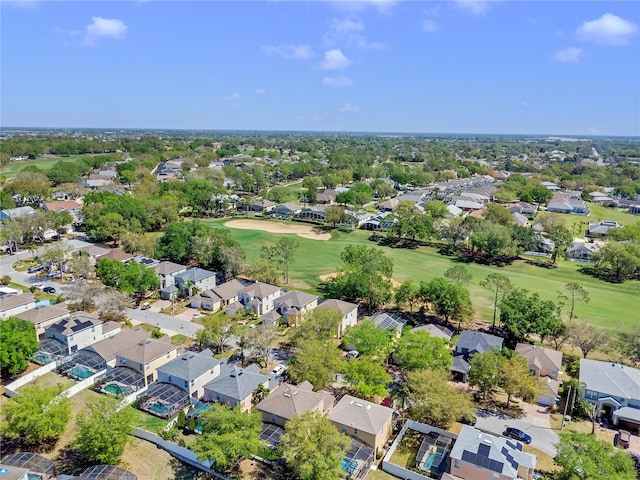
(304, 231)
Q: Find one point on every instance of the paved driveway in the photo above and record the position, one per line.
(168, 324)
(542, 436)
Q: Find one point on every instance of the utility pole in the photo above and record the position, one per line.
(566, 404)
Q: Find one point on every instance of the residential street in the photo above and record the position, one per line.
(168, 324)
(535, 424)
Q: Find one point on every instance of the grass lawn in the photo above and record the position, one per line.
(180, 339)
(43, 163)
(379, 475)
(612, 306)
(407, 450)
(147, 421)
(544, 461)
(51, 379)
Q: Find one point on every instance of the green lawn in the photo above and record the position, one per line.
(43, 163)
(612, 305)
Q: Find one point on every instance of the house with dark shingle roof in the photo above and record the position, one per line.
(369, 422)
(191, 371)
(348, 310)
(480, 455)
(287, 401)
(294, 306)
(235, 386)
(80, 330)
(614, 389)
(166, 271)
(44, 316)
(469, 343)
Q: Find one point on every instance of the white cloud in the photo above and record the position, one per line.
(476, 7)
(25, 4)
(260, 91)
(430, 26)
(334, 60)
(383, 6)
(569, 55)
(338, 29)
(609, 29)
(360, 41)
(347, 107)
(104, 28)
(290, 51)
(338, 82)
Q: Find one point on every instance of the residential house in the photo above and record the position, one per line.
(294, 306)
(259, 297)
(116, 255)
(257, 205)
(147, 356)
(544, 363)
(519, 219)
(313, 212)
(216, 298)
(44, 316)
(436, 331)
(581, 250)
(191, 371)
(601, 198)
(600, 229)
(235, 386)
(469, 343)
(550, 186)
(94, 252)
(195, 278)
(388, 205)
(634, 209)
(287, 210)
(14, 305)
(468, 205)
(13, 213)
(80, 330)
(454, 211)
(167, 271)
(326, 196)
(110, 346)
(615, 391)
(380, 223)
(524, 208)
(71, 206)
(389, 321)
(287, 401)
(568, 202)
(368, 422)
(348, 310)
(477, 455)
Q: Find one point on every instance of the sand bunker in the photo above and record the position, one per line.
(304, 231)
(329, 276)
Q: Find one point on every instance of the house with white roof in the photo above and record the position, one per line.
(614, 389)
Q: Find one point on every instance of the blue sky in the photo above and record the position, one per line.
(394, 66)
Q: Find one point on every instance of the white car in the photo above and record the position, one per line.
(279, 370)
(353, 354)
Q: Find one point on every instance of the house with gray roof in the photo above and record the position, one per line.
(235, 386)
(44, 316)
(259, 297)
(435, 330)
(601, 229)
(614, 389)
(195, 277)
(544, 363)
(389, 321)
(218, 297)
(287, 210)
(166, 272)
(469, 343)
(14, 305)
(294, 306)
(191, 371)
(479, 455)
(367, 421)
(287, 401)
(13, 213)
(80, 330)
(348, 310)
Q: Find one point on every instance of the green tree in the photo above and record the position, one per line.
(133, 278)
(575, 293)
(313, 448)
(369, 339)
(38, 415)
(498, 214)
(322, 324)
(407, 292)
(499, 286)
(562, 238)
(622, 261)
(450, 300)
(516, 380)
(109, 227)
(434, 401)
(367, 378)
(485, 371)
(628, 343)
(365, 275)
(522, 314)
(286, 249)
(336, 214)
(417, 350)
(459, 274)
(228, 435)
(103, 431)
(18, 342)
(586, 336)
(316, 361)
(263, 270)
(583, 457)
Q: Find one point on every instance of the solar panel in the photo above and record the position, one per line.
(484, 450)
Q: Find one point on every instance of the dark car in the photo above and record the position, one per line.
(517, 435)
(49, 290)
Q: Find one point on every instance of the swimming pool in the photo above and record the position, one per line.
(348, 466)
(116, 389)
(158, 407)
(80, 371)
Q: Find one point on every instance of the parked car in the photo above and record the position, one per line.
(517, 435)
(49, 290)
(279, 369)
(624, 438)
(353, 354)
(145, 306)
(35, 268)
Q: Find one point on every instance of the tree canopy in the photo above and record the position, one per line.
(522, 314)
(367, 378)
(417, 350)
(316, 361)
(369, 339)
(18, 342)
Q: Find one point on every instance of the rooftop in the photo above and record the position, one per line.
(360, 414)
(190, 365)
(610, 378)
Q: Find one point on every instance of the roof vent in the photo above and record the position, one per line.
(368, 407)
(359, 405)
(295, 392)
